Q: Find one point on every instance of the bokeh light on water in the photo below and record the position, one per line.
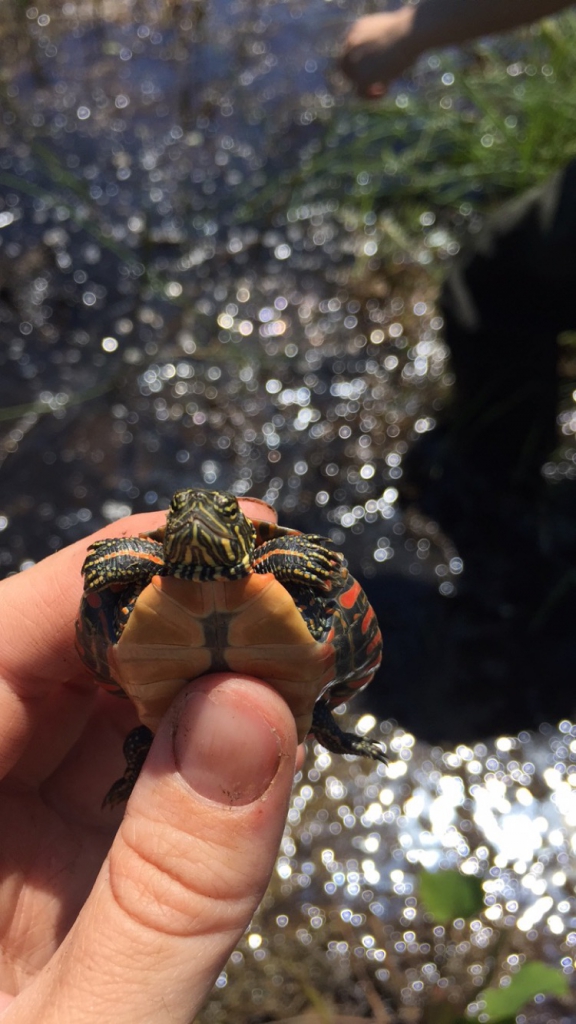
(344, 912)
(158, 333)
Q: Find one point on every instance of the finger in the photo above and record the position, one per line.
(255, 508)
(37, 653)
(187, 869)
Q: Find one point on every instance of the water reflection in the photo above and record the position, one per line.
(344, 909)
(157, 331)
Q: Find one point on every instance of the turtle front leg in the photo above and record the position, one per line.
(330, 735)
(120, 561)
(136, 747)
(302, 558)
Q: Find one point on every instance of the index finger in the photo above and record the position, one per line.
(39, 611)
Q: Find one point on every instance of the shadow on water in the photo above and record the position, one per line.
(507, 299)
(162, 326)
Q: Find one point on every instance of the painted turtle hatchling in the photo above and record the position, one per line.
(214, 590)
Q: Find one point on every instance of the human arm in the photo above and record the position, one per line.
(379, 47)
(124, 919)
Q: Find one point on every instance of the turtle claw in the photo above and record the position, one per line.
(366, 748)
(118, 793)
(330, 735)
(136, 747)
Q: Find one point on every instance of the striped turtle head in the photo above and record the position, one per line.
(207, 537)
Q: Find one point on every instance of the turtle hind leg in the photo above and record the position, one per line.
(136, 746)
(330, 735)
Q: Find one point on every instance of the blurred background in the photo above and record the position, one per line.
(219, 269)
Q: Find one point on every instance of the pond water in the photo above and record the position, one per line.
(163, 324)
(173, 312)
(156, 331)
(344, 917)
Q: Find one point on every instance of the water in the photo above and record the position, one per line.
(345, 918)
(156, 332)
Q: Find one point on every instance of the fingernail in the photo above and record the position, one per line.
(224, 748)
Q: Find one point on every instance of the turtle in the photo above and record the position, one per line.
(215, 590)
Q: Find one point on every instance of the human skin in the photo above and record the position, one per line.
(379, 47)
(112, 917)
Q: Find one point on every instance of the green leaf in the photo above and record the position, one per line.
(448, 894)
(531, 979)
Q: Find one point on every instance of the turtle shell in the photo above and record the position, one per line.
(146, 642)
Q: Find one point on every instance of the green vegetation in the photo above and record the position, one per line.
(448, 895)
(470, 128)
(536, 978)
(486, 126)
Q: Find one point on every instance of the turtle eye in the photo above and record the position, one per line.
(227, 505)
(180, 500)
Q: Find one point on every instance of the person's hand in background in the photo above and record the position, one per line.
(379, 47)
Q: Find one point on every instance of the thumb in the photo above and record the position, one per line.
(188, 867)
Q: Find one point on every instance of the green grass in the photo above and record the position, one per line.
(484, 124)
(505, 123)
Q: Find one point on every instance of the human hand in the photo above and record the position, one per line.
(377, 49)
(127, 919)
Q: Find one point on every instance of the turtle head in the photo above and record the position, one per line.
(207, 537)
